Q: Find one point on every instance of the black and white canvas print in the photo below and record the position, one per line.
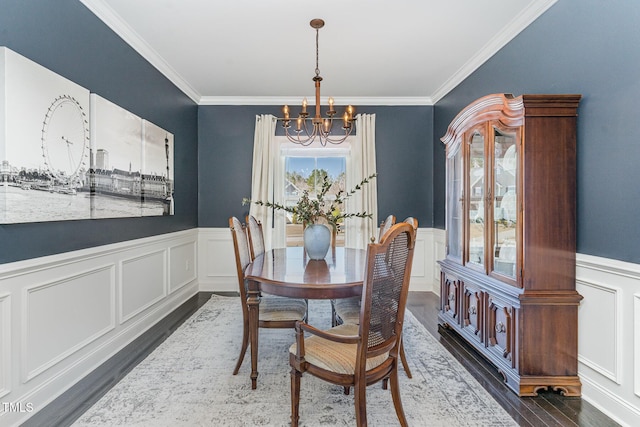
(67, 154)
(116, 146)
(157, 169)
(44, 143)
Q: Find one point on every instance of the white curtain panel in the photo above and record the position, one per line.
(358, 231)
(262, 173)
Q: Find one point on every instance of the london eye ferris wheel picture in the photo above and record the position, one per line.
(67, 154)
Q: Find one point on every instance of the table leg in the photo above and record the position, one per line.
(253, 302)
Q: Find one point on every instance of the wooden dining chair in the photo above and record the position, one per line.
(385, 225)
(351, 355)
(255, 235)
(348, 309)
(274, 312)
(413, 221)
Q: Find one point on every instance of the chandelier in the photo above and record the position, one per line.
(309, 129)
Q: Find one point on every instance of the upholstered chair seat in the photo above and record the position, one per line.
(281, 309)
(347, 310)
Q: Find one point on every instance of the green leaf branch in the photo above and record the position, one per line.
(311, 211)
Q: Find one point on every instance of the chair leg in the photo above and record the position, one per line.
(405, 365)
(346, 390)
(360, 390)
(243, 350)
(295, 396)
(395, 394)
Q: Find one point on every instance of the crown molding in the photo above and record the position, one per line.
(274, 100)
(515, 27)
(106, 14)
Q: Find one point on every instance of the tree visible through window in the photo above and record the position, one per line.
(307, 173)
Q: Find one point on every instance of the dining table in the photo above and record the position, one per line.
(288, 272)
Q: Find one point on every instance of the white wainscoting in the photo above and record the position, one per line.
(608, 342)
(5, 344)
(64, 315)
(217, 268)
(216, 261)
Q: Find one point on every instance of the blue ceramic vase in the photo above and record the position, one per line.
(317, 239)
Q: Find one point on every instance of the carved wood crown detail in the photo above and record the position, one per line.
(504, 107)
(508, 110)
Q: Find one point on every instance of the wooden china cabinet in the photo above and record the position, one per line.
(508, 281)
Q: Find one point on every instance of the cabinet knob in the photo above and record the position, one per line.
(500, 328)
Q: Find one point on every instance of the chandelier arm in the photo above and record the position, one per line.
(336, 140)
(308, 138)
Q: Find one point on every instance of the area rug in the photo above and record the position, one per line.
(187, 381)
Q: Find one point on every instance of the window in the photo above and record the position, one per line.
(307, 173)
(302, 168)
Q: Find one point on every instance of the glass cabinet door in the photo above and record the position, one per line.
(454, 223)
(505, 201)
(475, 201)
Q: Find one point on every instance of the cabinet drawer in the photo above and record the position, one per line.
(500, 331)
(472, 312)
(450, 291)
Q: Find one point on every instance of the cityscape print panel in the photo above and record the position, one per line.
(44, 143)
(67, 154)
(157, 170)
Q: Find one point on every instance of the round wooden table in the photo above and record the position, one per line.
(290, 273)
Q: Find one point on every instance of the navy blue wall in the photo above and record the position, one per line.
(577, 46)
(588, 47)
(65, 37)
(404, 157)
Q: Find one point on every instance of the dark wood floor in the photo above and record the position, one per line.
(548, 409)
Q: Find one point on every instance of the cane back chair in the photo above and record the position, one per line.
(353, 355)
(255, 235)
(274, 312)
(347, 310)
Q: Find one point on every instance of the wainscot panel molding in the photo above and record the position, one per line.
(440, 248)
(62, 316)
(216, 261)
(143, 283)
(608, 343)
(5, 344)
(636, 346)
(217, 265)
(51, 311)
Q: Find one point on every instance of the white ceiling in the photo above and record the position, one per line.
(372, 52)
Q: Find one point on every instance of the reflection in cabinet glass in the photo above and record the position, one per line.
(454, 201)
(505, 218)
(508, 280)
(475, 206)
